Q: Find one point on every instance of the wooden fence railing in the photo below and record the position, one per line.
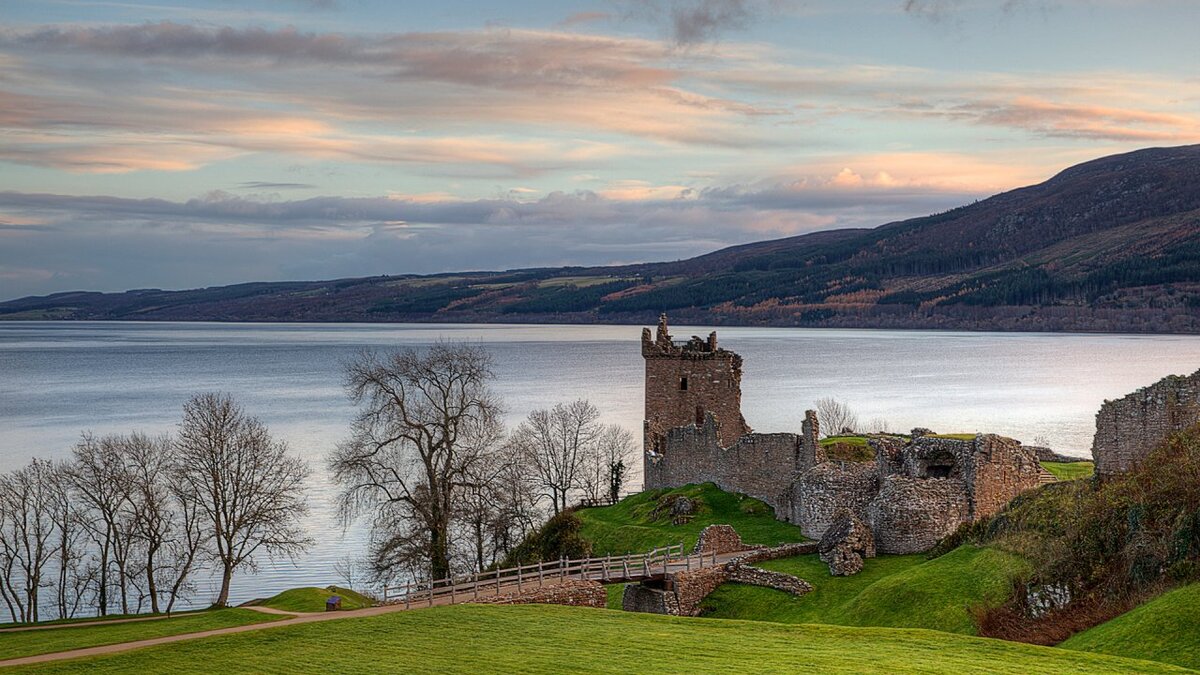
(515, 579)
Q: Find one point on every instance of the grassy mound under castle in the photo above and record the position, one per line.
(901, 591)
(645, 521)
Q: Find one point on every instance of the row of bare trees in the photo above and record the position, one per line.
(127, 522)
(429, 464)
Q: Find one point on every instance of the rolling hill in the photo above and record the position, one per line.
(1108, 245)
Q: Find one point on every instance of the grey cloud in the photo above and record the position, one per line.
(113, 243)
(693, 22)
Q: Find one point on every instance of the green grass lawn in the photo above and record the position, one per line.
(1070, 470)
(632, 525)
(1165, 629)
(552, 639)
(898, 591)
(95, 619)
(312, 599)
(28, 643)
(616, 592)
(848, 440)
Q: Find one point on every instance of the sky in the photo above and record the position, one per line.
(166, 144)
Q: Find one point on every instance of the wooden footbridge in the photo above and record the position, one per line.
(610, 569)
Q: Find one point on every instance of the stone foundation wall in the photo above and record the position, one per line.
(649, 600)
(576, 593)
(819, 493)
(692, 587)
(910, 515)
(1130, 427)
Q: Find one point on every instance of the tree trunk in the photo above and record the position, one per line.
(102, 597)
(439, 554)
(150, 586)
(226, 579)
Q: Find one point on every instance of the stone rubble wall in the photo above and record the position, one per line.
(821, 492)
(759, 465)
(910, 515)
(692, 587)
(719, 539)
(998, 470)
(1128, 428)
(846, 544)
(756, 576)
(573, 592)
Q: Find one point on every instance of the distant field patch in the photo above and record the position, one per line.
(580, 282)
(1070, 470)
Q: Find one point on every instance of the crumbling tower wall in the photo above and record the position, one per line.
(686, 380)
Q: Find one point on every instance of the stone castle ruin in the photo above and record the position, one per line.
(1129, 428)
(913, 494)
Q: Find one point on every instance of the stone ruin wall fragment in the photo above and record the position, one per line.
(1129, 428)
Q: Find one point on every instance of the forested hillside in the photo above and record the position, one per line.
(1112, 244)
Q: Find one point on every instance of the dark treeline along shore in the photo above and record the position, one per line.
(1109, 245)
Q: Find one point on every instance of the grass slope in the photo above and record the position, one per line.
(552, 639)
(634, 524)
(898, 591)
(1165, 629)
(312, 599)
(28, 643)
(1070, 470)
(94, 619)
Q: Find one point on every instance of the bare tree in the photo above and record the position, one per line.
(835, 417)
(878, 425)
(425, 419)
(246, 486)
(558, 443)
(165, 522)
(498, 506)
(99, 480)
(572, 452)
(27, 502)
(606, 463)
(75, 575)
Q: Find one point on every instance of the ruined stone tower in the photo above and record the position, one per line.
(686, 380)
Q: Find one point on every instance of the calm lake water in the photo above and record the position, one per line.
(59, 379)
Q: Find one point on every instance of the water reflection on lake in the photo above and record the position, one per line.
(58, 379)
